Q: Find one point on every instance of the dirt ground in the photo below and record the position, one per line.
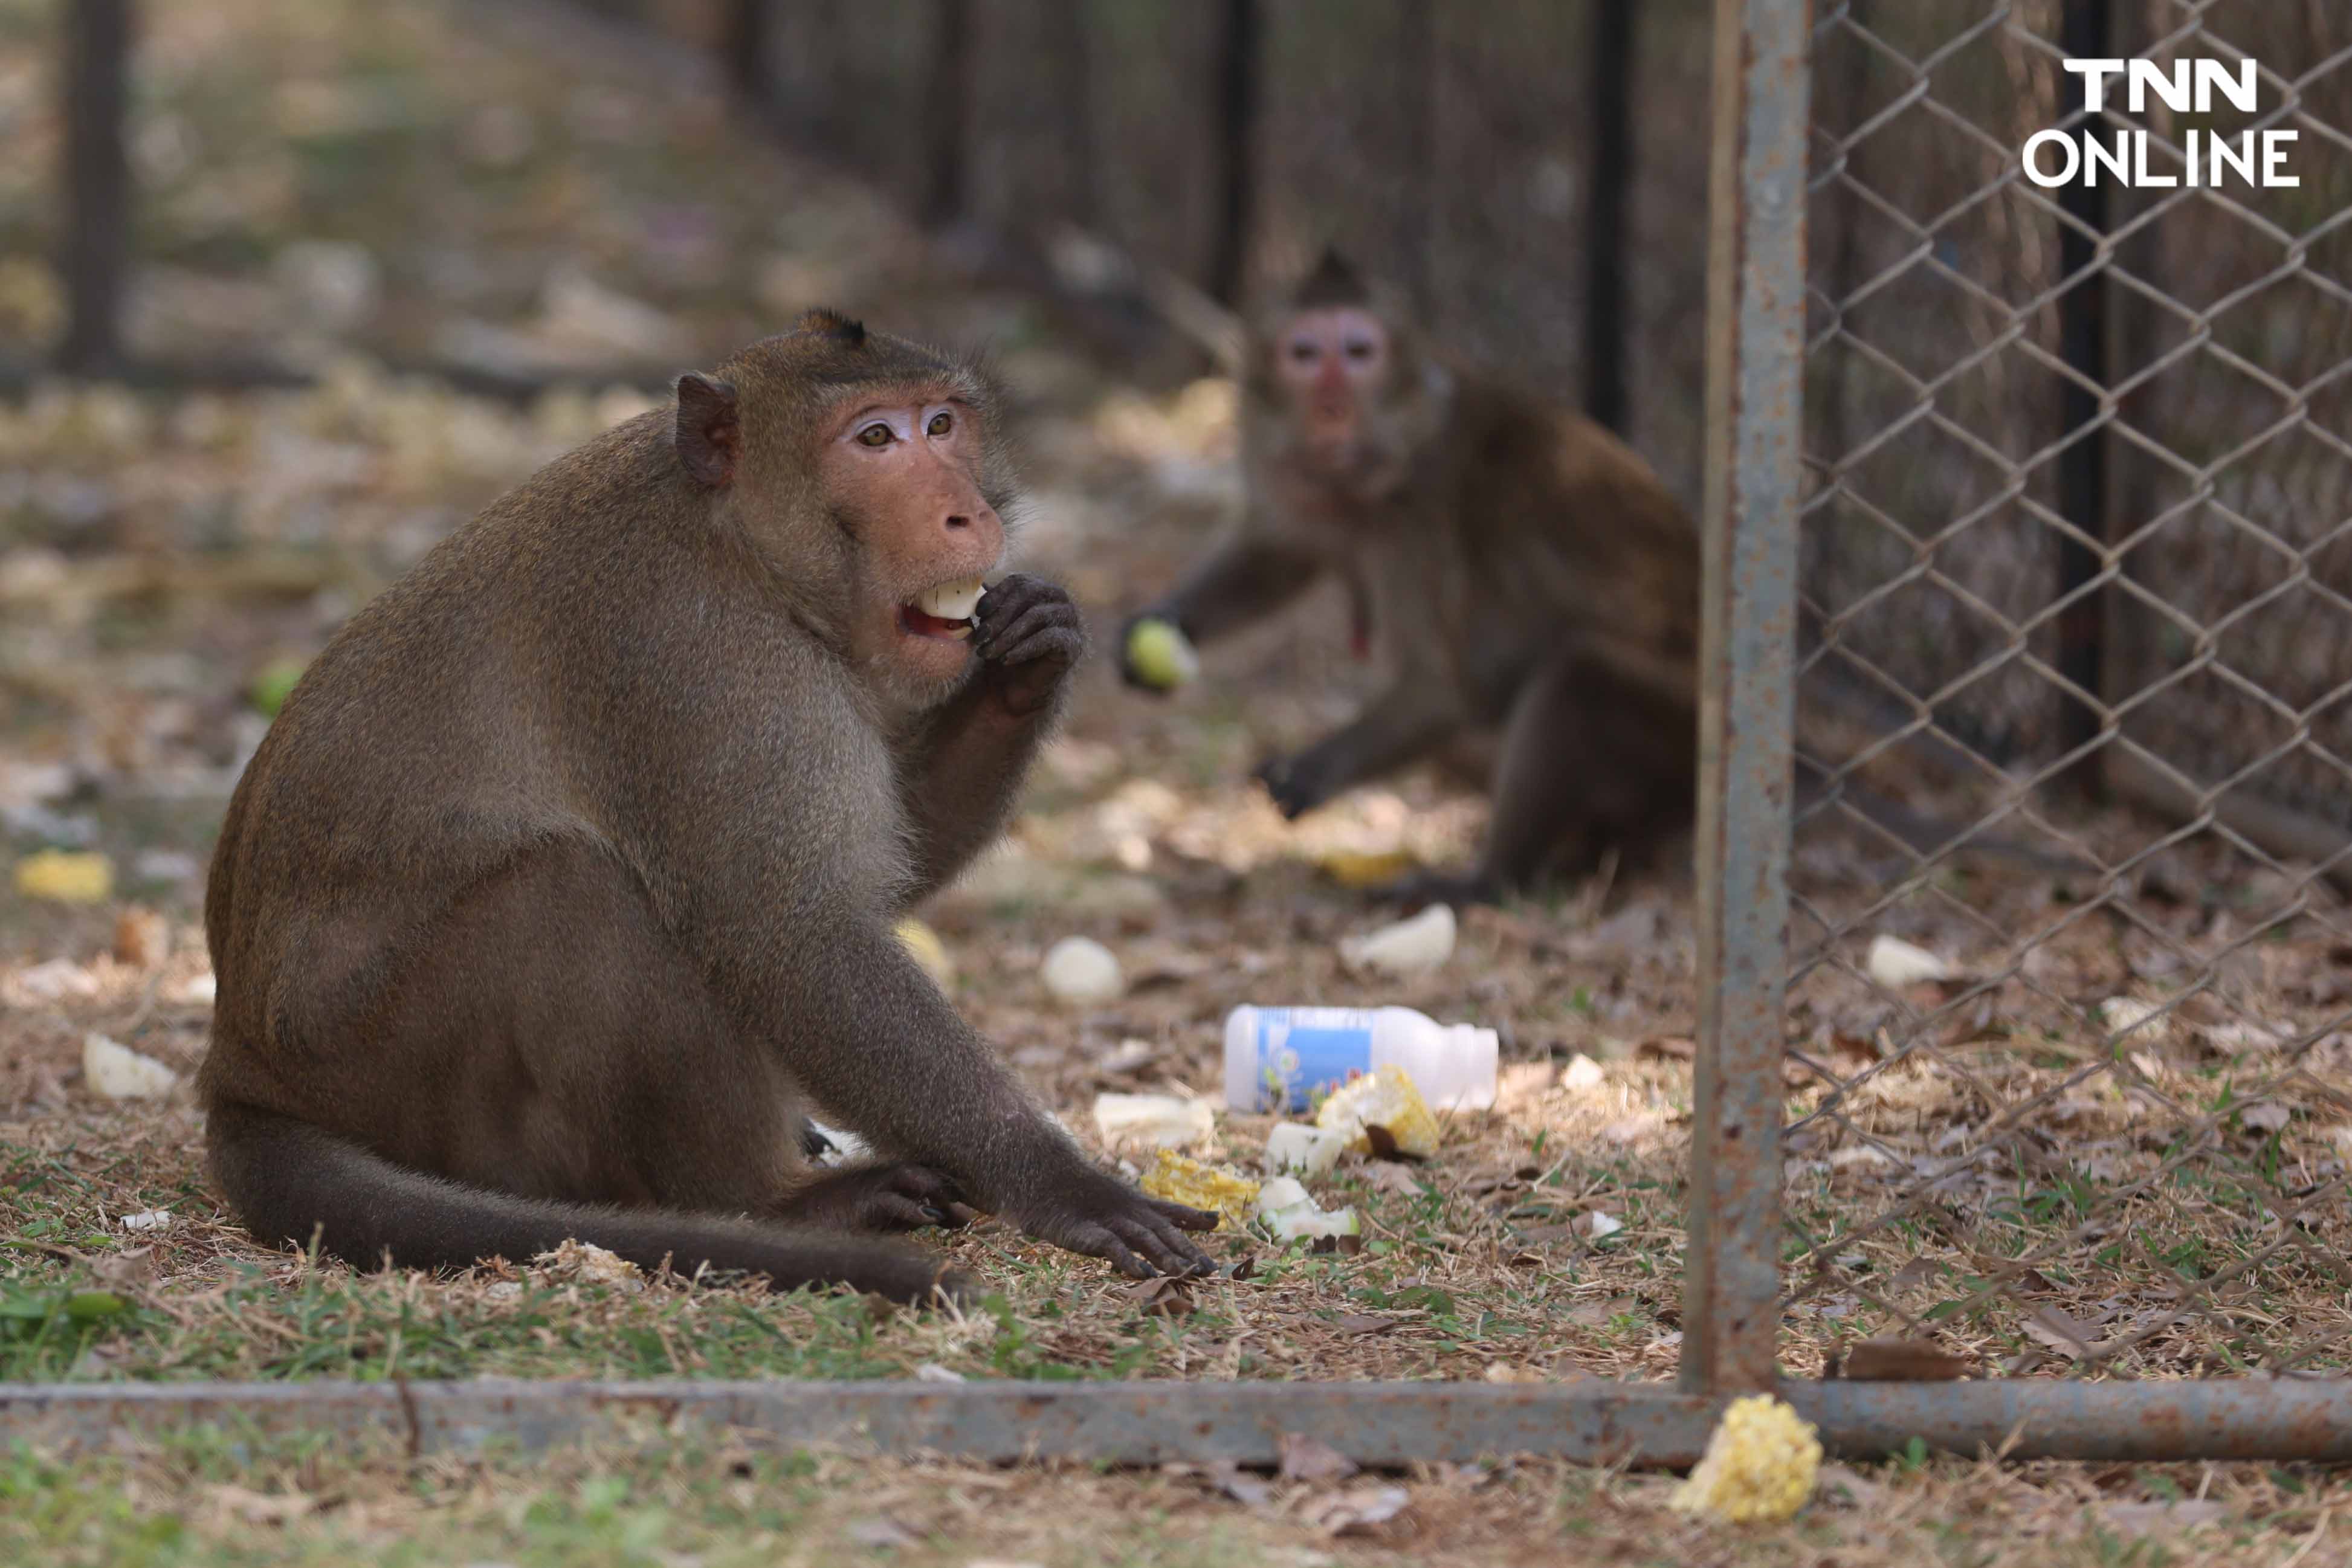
(1977, 1160)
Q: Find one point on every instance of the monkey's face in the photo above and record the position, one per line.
(1332, 365)
(905, 471)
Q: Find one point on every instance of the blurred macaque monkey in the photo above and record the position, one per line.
(1522, 572)
(564, 883)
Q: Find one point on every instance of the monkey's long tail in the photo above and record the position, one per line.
(289, 1181)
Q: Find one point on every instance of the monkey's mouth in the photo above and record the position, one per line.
(944, 612)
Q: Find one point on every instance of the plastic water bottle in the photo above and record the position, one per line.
(1284, 1059)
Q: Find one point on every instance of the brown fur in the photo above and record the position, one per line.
(564, 882)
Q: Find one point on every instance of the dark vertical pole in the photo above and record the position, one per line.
(947, 112)
(1606, 322)
(97, 183)
(2087, 33)
(747, 48)
(1076, 57)
(1754, 398)
(1417, 223)
(1240, 38)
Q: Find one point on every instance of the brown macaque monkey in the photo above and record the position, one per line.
(564, 882)
(1528, 577)
(1522, 571)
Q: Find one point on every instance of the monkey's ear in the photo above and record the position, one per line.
(1334, 281)
(709, 436)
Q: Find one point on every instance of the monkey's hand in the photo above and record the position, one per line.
(1090, 1211)
(1029, 641)
(1294, 783)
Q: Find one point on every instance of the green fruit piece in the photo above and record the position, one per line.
(1160, 656)
(88, 1306)
(274, 683)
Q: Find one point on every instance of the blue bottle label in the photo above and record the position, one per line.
(1304, 1053)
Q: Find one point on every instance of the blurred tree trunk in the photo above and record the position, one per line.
(97, 183)
(1240, 38)
(1074, 74)
(1419, 201)
(746, 46)
(1606, 322)
(946, 116)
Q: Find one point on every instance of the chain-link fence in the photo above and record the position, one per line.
(2078, 519)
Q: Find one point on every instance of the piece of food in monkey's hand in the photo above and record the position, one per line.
(947, 610)
(1160, 656)
(1198, 1184)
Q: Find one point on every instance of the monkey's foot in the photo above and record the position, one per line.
(901, 1196)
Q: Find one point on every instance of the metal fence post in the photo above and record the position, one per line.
(1755, 309)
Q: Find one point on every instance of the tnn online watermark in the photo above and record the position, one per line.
(2054, 158)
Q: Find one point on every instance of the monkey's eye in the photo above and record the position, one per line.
(1302, 350)
(1360, 349)
(940, 424)
(875, 435)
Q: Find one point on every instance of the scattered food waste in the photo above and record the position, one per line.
(1078, 970)
(931, 954)
(1895, 964)
(1153, 1121)
(115, 1072)
(1179, 1178)
(1411, 946)
(1288, 1212)
(1295, 1148)
(1382, 1114)
(1365, 869)
(273, 685)
(66, 876)
(1759, 1468)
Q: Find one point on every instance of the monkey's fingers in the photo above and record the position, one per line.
(1184, 1216)
(1158, 1241)
(1097, 1241)
(1043, 628)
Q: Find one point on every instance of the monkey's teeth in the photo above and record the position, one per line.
(951, 600)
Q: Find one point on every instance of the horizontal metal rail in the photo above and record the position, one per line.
(1376, 1424)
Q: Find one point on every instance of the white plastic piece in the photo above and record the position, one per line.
(1310, 1151)
(147, 1220)
(1411, 946)
(1079, 969)
(118, 1072)
(1584, 1074)
(1283, 1059)
(1153, 1121)
(1895, 964)
(1594, 1225)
